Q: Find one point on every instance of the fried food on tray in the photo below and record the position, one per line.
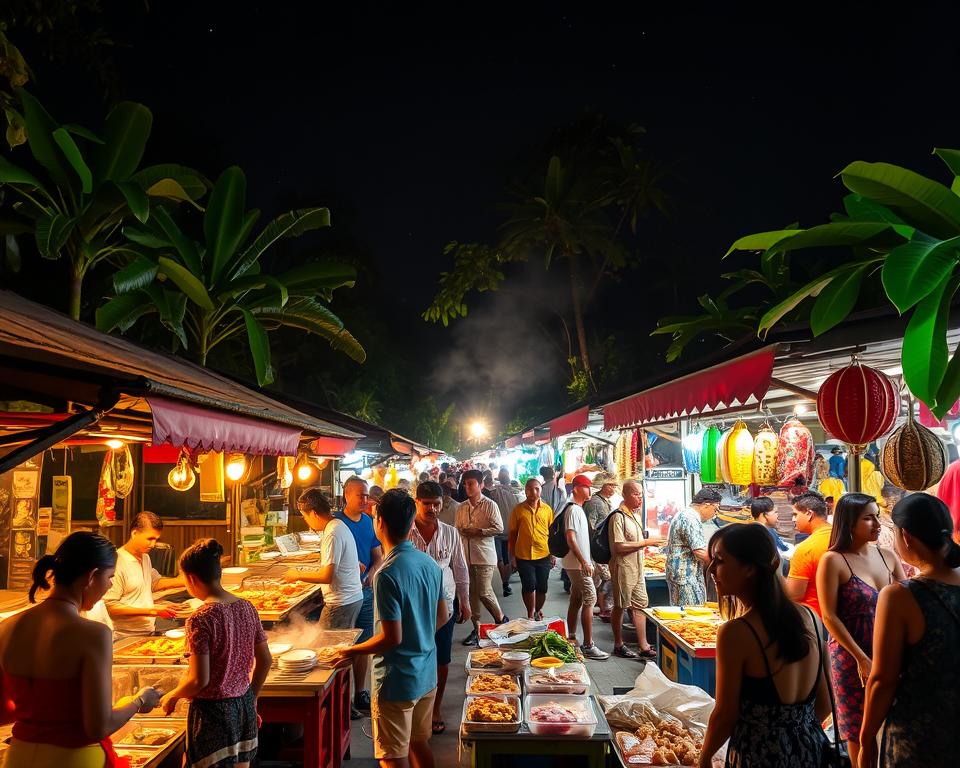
(673, 744)
(655, 561)
(490, 659)
(157, 646)
(694, 632)
(277, 596)
(487, 683)
(487, 710)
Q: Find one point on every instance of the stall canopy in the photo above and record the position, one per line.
(731, 383)
(571, 422)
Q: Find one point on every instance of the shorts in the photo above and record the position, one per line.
(340, 616)
(582, 591)
(365, 617)
(629, 590)
(397, 723)
(601, 573)
(444, 636)
(503, 551)
(533, 575)
(222, 731)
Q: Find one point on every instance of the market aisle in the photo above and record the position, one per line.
(604, 676)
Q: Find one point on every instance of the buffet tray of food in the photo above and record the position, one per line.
(492, 714)
(483, 683)
(560, 715)
(150, 650)
(274, 599)
(148, 734)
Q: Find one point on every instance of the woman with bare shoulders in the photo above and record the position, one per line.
(57, 666)
(849, 579)
(771, 668)
(912, 689)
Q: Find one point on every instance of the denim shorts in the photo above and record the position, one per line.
(365, 617)
(444, 636)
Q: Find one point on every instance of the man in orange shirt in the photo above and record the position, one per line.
(810, 516)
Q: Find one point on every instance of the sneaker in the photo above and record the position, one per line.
(361, 701)
(472, 638)
(592, 652)
(507, 591)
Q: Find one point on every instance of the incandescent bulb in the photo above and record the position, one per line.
(236, 466)
(114, 445)
(304, 472)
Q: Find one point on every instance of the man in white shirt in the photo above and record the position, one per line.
(478, 520)
(448, 510)
(506, 498)
(129, 601)
(339, 572)
(579, 567)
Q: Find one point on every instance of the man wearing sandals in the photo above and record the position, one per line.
(627, 541)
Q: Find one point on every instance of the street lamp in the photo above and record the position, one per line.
(478, 430)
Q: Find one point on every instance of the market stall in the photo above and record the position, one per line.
(686, 641)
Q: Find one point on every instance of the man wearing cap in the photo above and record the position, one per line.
(597, 507)
(579, 568)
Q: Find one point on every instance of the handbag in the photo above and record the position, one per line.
(836, 757)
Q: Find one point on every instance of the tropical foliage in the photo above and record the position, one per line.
(209, 290)
(903, 229)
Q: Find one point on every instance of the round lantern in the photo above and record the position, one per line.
(723, 466)
(692, 446)
(794, 453)
(913, 457)
(765, 456)
(708, 456)
(738, 450)
(858, 404)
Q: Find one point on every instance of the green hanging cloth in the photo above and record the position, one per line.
(708, 456)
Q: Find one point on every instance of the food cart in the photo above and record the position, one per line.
(687, 645)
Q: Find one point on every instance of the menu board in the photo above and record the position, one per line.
(19, 510)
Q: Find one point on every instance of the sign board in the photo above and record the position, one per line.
(666, 473)
(20, 497)
(61, 503)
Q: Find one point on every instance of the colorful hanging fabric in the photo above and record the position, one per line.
(794, 453)
(692, 446)
(765, 456)
(709, 467)
(635, 451)
(621, 455)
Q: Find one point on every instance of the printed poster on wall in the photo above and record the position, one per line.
(62, 503)
(18, 521)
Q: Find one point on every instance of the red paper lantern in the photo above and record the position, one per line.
(858, 404)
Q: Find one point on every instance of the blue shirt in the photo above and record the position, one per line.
(363, 534)
(407, 588)
(838, 466)
(777, 541)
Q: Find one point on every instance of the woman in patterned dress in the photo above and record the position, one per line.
(849, 579)
(912, 690)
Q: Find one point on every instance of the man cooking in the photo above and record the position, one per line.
(129, 600)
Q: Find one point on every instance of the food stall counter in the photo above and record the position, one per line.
(683, 660)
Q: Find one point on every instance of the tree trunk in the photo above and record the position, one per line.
(76, 291)
(578, 317)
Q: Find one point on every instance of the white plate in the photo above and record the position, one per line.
(269, 555)
(236, 569)
(175, 634)
(298, 656)
(278, 649)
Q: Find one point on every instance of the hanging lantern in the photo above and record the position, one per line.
(285, 471)
(123, 470)
(858, 404)
(692, 446)
(236, 467)
(182, 477)
(305, 469)
(794, 453)
(723, 466)
(913, 457)
(738, 450)
(765, 456)
(708, 456)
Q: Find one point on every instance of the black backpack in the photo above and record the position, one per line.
(600, 550)
(557, 538)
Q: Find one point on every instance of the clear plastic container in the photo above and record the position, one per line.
(495, 666)
(473, 674)
(553, 680)
(580, 706)
(481, 726)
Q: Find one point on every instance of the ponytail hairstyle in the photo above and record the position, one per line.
(202, 560)
(928, 520)
(845, 517)
(77, 555)
(750, 544)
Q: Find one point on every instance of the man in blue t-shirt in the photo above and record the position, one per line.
(409, 606)
(370, 555)
(838, 464)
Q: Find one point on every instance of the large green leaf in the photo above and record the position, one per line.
(318, 275)
(13, 174)
(136, 199)
(172, 306)
(912, 270)
(75, 157)
(146, 236)
(125, 135)
(553, 188)
(951, 158)
(84, 133)
(40, 128)
(836, 300)
(309, 315)
(290, 224)
(861, 208)
(243, 285)
(224, 221)
(192, 182)
(924, 355)
(919, 201)
(949, 391)
(185, 247)
(187, 282)
(52, 232)
(121, 312)
(139, 273)
(759, 241)
(259, 348)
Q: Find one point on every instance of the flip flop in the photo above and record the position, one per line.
(538, 616)
(649, 654)
(624, 653)
(438, 727)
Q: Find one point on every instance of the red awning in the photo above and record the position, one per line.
(513, 442)
(179, 424)
(728, 384)
(332, 446)
(529, 437)
(572, 422)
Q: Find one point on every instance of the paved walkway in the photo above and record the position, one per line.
(604, 675)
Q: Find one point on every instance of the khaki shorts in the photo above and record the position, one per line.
(629, 591)
(397, 723)
(582, 590)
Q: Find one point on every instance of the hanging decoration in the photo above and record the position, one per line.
(106, 495)
(794, 453)
(121, 467)
(914, 457)
(739, 455)
(708, 456)
(765, 456)
(621, 455)
(692, 446)
(285, 471)
(858, 404)
(636, 452)
(723, 466)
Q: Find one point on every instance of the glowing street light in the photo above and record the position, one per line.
(478, 430)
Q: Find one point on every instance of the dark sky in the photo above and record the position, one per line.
(409, 122)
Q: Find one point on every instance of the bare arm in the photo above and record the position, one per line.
(829, 573)
(117, 609)
(702, 555)
(376, 560)
(100, 717)
(168, 582)
(729, 681)
(390, 636)
(194, 680)
(795, 588)
(262, 659)
(323, 575)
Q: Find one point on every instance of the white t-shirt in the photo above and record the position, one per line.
(338, 546)
(576, 521)
(99, 613)
(132, 586)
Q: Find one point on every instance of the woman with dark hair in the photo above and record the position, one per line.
(912, 690)
(771, 669)
(225, 639)
(56, 665)
(849, 579)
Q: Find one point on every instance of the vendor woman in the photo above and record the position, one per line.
(129, 600)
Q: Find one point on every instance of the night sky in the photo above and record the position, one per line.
(409, 124)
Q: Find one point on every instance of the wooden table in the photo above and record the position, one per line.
(488, 749)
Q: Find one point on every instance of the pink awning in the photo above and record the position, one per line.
(513, 442)
(529, 437)
(179, 424)
(572, 422)
(332, 446)
(728, 384)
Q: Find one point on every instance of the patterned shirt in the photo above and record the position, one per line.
(685, 536)
(227, 633)
(446, 549)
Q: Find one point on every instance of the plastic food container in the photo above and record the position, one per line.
(474, 674)
(581, 706)
(473, 666)
(479, 726)
(533, 680)
(514, 661)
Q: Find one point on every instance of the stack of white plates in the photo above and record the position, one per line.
(297, 660)
(277, 650)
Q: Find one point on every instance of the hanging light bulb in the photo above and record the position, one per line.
(321, 463)
(305, 469)
(114, 445)
(285, 471)
(236, 467)
(182, 477)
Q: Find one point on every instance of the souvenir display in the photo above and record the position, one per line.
(708, 456)
(765, 456)
(739, 454)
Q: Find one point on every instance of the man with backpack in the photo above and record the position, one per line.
(597, 508)
(579, 566)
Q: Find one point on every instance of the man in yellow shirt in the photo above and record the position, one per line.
(529, 553)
